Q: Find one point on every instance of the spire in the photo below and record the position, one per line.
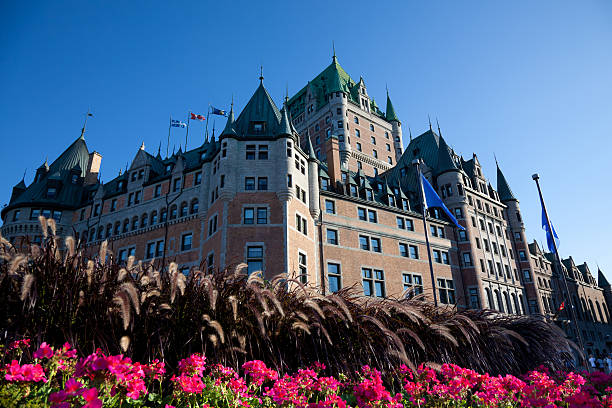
(310, 150)
(229, 126)
(390, 114)
(334, 59)
(261, 77)
(159, 151)
(285, 126)
(429, 120)
(503, 189)
(438, 124)
(82, 137)
(445, 158)
(602, 282)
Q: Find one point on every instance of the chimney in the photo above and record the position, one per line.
(93, 168)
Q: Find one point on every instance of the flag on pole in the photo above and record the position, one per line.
(195, 116)
(177, 123)
(216, 111)
(561, 307)
(432, 199)
(549, 236)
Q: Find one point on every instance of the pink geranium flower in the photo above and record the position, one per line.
(44, 351)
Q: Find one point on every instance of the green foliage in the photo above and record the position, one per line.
(145, 313)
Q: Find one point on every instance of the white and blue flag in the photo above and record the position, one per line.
(177, 123)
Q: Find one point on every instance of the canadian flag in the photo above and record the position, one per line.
(561, 307)
(195, 116)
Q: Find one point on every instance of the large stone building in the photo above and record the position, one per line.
(324, 191)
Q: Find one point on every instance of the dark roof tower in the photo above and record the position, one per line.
(445, 158)
(390, 114)
(503, 189)
(229, 126)
(602, 282)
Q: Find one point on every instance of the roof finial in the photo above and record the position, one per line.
(260, 75)
(410, 133)
(334, 51)
(142, 146)
(387, 88)
(429, 119)
(438, 124)
(88, 114)
(159, 149)
(287, 92)
(495, 157)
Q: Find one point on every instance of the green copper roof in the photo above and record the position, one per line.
(445, 158)
(285, 125)
(75, 155)
(229, 125)
(310, 150)
(503, 189)
(259, 110)
(390, 114)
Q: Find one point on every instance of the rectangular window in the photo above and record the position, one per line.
(210, 263)
(159, 248)
(458, 213)
(113, 206)
(364, 242)
(358, 146)
(130, 199)
(262, 215)
(403, 248)
(300, 224)
(186, 242)
(376, 244)
(414, 251)
(522, 256)
(137, 197)
(409, 224)
(249, 183)
(413, 284)
(441, 233)
(446, 290)
(332, 237)
(262, 183)
(362, 213)
(212, 225)
(401, 224)
(150, 250)
(437, 257)
(474, 299)
(462, 235)
(330, 207)
(333, 277)
(262, 153)
(249, 215)
(303, 267)
(176, 185)
(445, 258)
(96, 211)
(526, 275)
(434, 230)
(467, 259)
(222, 181)
(157, 192)
(198, 178)
(373, 282)
(254, 259)
(372, 217)
(250, 152)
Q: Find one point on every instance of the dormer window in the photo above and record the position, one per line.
(120, 185)
(353, 189)
(74, 178)
(405, 204)
(324, 183)
(168, 167)
(391, 200)
(140, 174)
(258, 127)
(369, 194)
(134, 175)
(51, 192)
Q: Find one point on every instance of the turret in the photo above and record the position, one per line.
(313, 181)
(396, 129)
(18, 190)
(507, 197)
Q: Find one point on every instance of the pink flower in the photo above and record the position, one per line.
(26, 372)
(258, 372)
(188, 384)
(91, 397)
(44, 351)
(72, 386)
(57, 397)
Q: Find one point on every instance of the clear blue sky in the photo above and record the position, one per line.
(530, 81)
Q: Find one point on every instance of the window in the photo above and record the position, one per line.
(163, 215)
(262, 153)
(526, 275)
(250, 152)
(176, 185)
(51, 192)
(212, 225)
(446, 290)
(474, 299)
(262, 183)
(330, 207)
(210, 263)
(96, 210)
(173, 212)
(376, 244)
(150, 250)
(289, 181)
(134, 223)
(441, 233)
(413, 284)
(222, 181)
(186, 242)
(364, 242)
(401, 224)
(334, 277)
(302, 265)
(356, 120)
(517, 236)
(372, 217)
(373, 282)
(371, 127)
(144, 220)
(458, 213)
(389, 160)
(445, 258)
(262, 215)
(184, 209)
(249, 183)
(324, 183)
(437, 257)
(197, 178)
(434, 230)
(254, 259)
(467, 259)
(157, 192)
(113, 205)
(462, 235)
(522, 256)
(16, 215)
(375, 153)
(414, 251)
(409, 224)
(194, 206)
(339, 124)
(362, 213)
(249, 216)
(332, 237)
(300, 224)
(388, 146)
(358, 146)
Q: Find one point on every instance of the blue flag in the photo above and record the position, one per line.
(177, 123)
(549, 237)
(216, 111)
(432, 199)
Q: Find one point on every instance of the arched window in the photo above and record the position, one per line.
(194, 206)
(184, 208)
(144, 220)
(545, 304)
(134, 222)
(163, 215)
(522, 304)
(109, 230)
(490, 302)
(508, 304)
(117, 228)
(154, 218)
(173, 212)
(126, 225)
(517, 308)
(499, 306)
(100, 232)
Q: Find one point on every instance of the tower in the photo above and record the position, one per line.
(396, 132)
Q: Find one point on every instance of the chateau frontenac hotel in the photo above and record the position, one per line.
(324, 191)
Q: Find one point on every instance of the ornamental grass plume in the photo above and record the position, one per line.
(94, 302)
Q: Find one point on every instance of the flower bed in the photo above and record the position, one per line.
(58, 377)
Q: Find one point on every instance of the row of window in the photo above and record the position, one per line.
(37, 212)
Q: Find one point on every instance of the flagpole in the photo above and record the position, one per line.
(168, 144)
(187, 133)
(206, 132)
(536, 178)
(417, 163)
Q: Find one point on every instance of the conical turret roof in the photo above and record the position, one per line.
(445, 158)
(260, 118)
(75, 155)
(390, 114)
(229, 125)
(310, 150)
(602, 282)
(285, 125)
(503, 189)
